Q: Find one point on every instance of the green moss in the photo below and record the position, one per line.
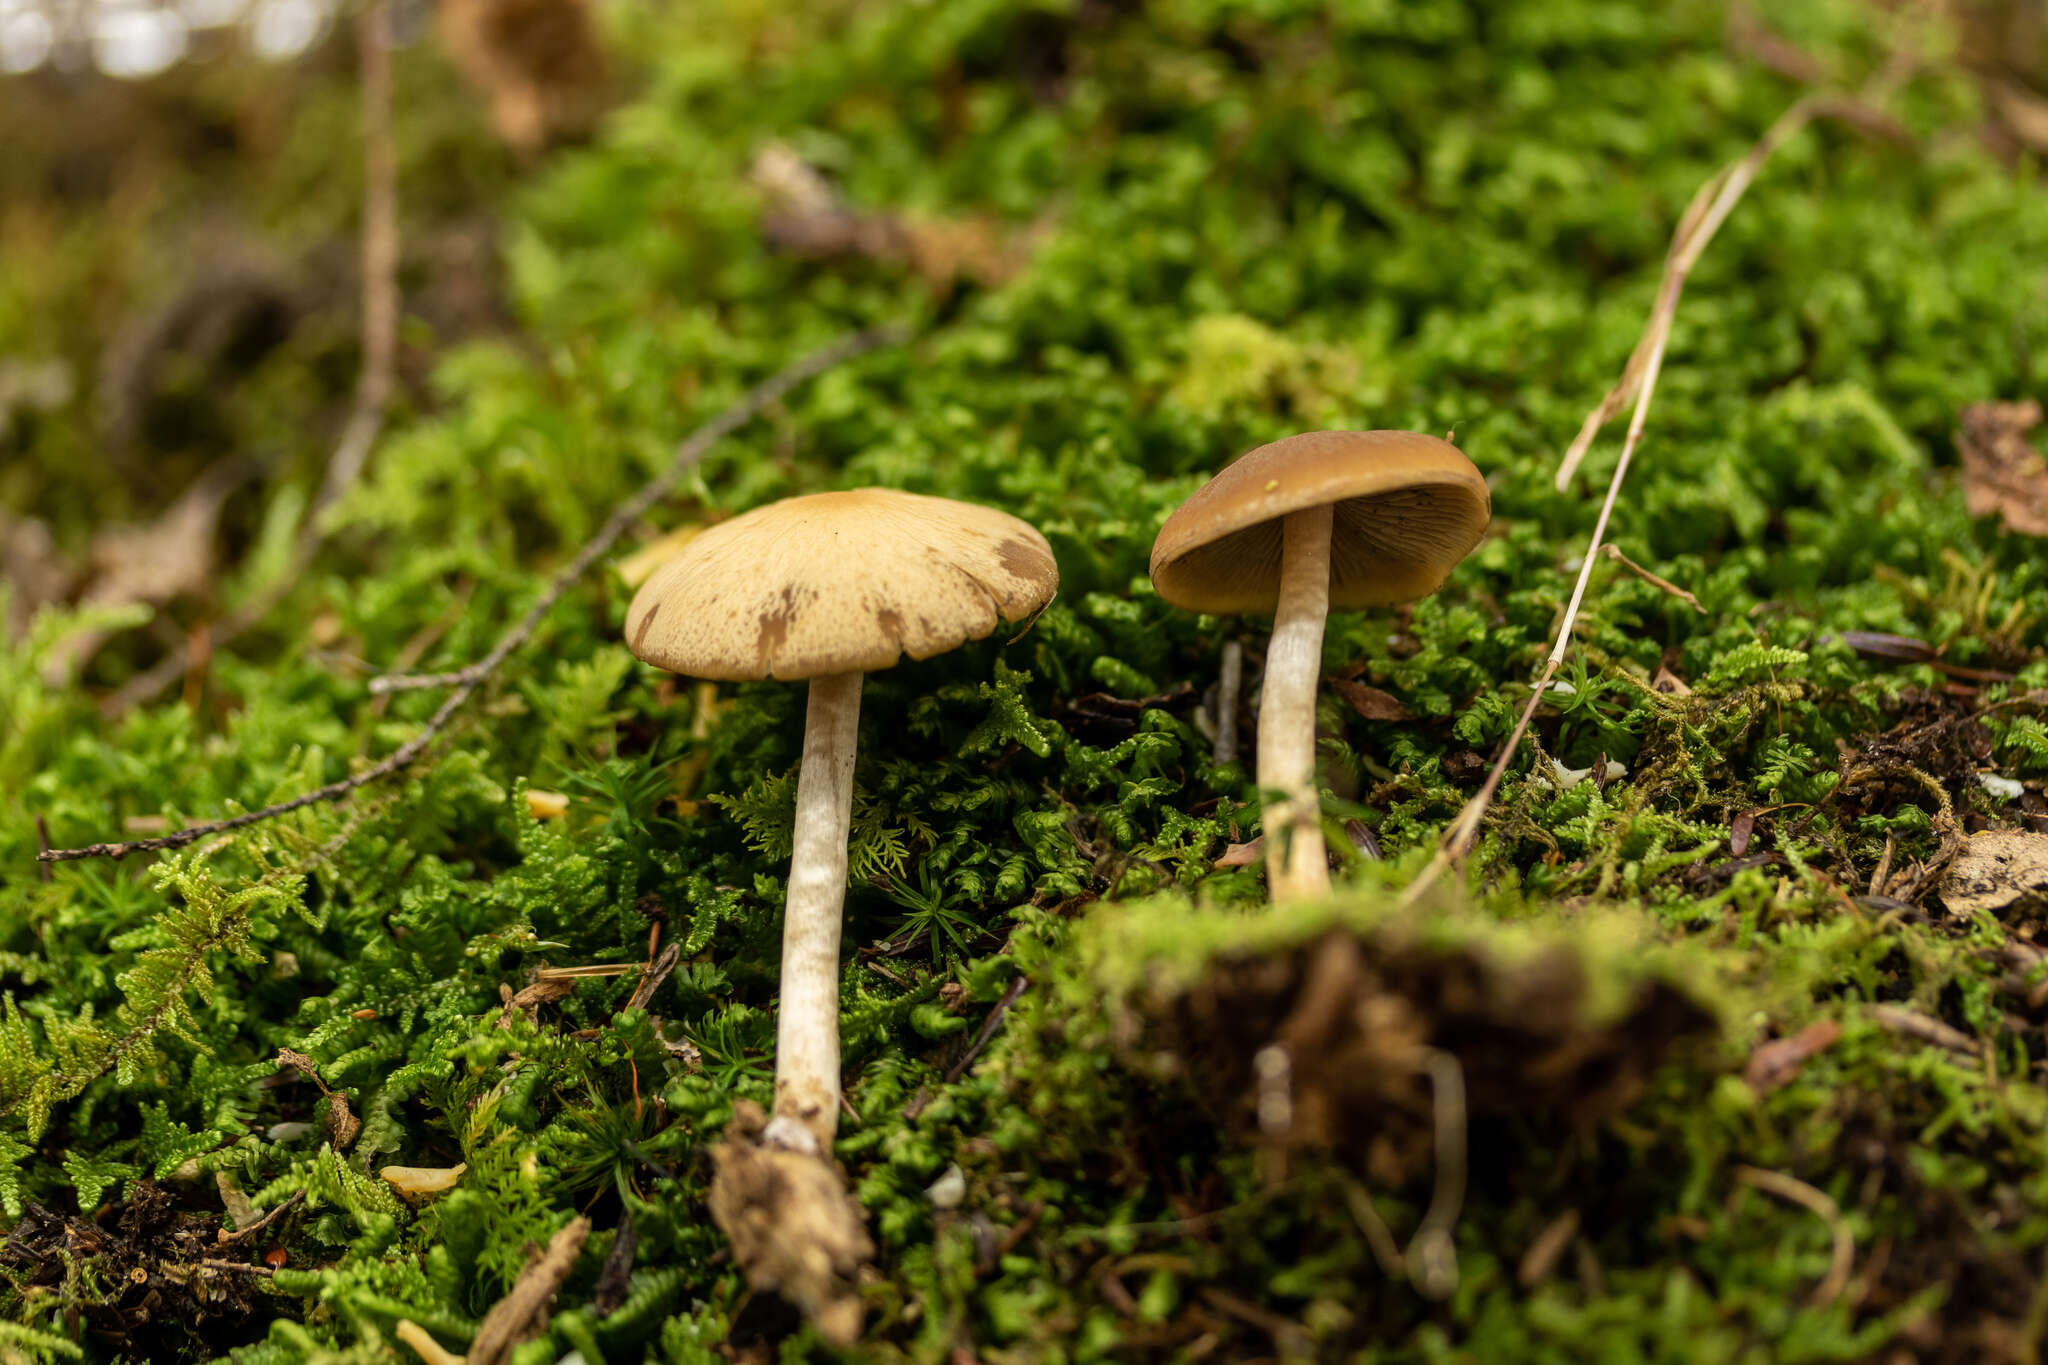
(1427, 215)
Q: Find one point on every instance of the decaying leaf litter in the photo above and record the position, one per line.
(1055, 805)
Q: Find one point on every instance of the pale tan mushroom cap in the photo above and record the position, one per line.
(838, 583)
(1408, 508)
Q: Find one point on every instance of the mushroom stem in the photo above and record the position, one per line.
(807, 1028)
(1229, 686)
(1296, 866)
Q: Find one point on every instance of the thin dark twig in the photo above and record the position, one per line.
(42, 844)
(229, 1239)
(988, 1030)
(655, 973)
(1662, 584)
(692, 450)
(365, 421)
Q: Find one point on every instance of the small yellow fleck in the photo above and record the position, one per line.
(546, 805)
(423, 1182)
(1272, 484)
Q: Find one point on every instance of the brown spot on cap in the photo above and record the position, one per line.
(839, 583)
(1022, 560)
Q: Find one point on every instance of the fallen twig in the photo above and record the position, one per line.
(1665, 585)
(692, 450)
(511, 1319)
(242, 1266)
(1290, 1336)
(227, 1238)
(1923, 1028)
(365, 420)
(1542, 1256)
(988, 1030)
(599, 969)
(656, 972)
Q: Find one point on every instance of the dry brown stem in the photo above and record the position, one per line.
(1662, 584)
(517, 1317)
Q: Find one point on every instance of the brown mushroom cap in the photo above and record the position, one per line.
(838, 583)
(1408, 508)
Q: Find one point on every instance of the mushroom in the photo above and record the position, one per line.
(1322, 520)
(829, 587)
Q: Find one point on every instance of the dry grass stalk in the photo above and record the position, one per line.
(1703, 217)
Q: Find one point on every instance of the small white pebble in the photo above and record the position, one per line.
(288, 1132)
(1564, 689)
(949, 1189)
(2004, 788)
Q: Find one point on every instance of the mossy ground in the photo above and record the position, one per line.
(1249, 219)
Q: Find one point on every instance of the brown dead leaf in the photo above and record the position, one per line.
(804, 215)
(155, 563)
(528, 1000)
(2024, 113)
(1778, 1061)
(2001, 871)
(1369, 702)
(338, 1122)
(2002, 472)
(1668, 683)
(1740, 830)
(1242, 855)
(1923, 1028)
(34, 568)
(539, 63)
